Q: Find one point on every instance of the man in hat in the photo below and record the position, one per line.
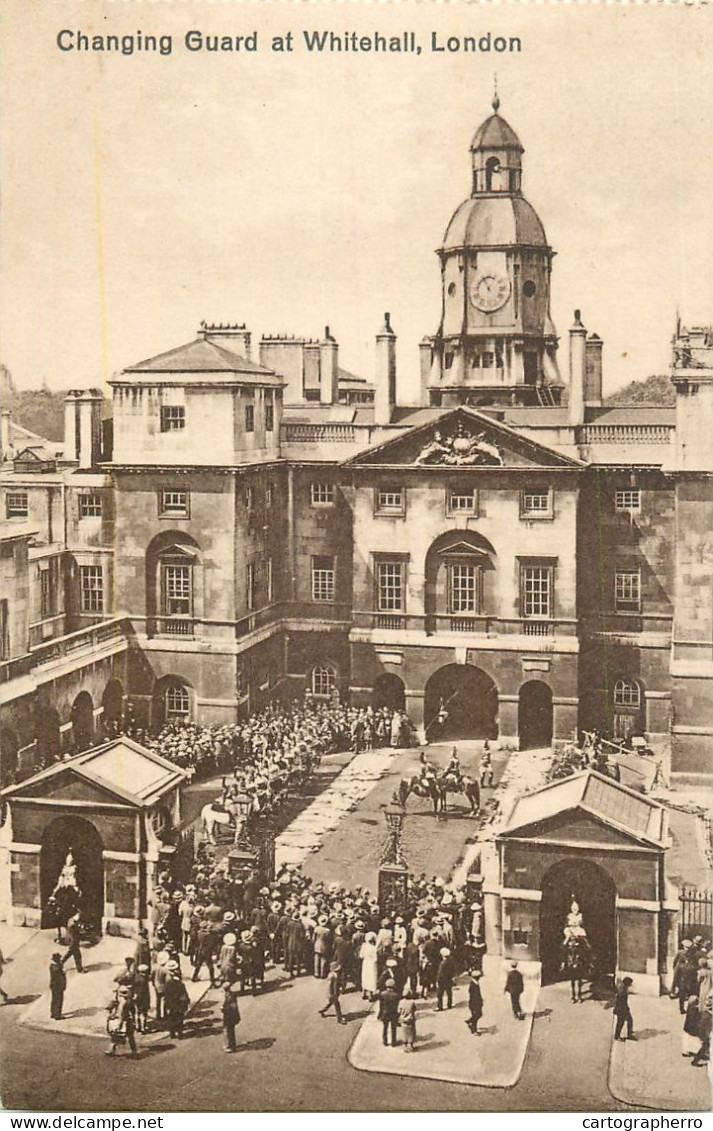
(322, 941)
(73, 940)
(231, 1015)
(622, 1011)
(58, 984)
(122, 1013)
(444, 977)
(333, 991)
(514, 986)
(159, 978)
(125, 977)
(204, 951)
(389, 1011)
(142, 953)
(176, 1001)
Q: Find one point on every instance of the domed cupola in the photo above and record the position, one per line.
(496, 342)
(497, 155)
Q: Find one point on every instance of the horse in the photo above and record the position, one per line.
(211, 815)
(449, 783)
(577, 964)
(421, 787)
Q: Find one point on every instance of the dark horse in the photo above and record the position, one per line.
(451, 783)
(437, 788)
(577, 964)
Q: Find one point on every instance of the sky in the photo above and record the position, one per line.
(144, 193)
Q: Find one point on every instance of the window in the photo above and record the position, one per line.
(390, 587)
(462, 500)
(91, 589)
(463, 588)
(178, 702)
(627, 501)
(250, 586)
(173, 503)
(322, 579)
(249, 417)
(322, 494)
(448, 360)
(324, 679)
(270, 582)
(269, 495)
(390, 501)
(627, 693)
(173, 417)
(269, 417)
(46, 602)
(16, 504)
(627, 590)
(90, 506)
(248, 498)
(177, 590)
(536, 504)
(536, 591)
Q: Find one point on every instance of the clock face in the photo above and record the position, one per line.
(489, 291)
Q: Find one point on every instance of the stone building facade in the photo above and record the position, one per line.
(510, 548)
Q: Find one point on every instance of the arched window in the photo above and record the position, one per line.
(492, 175)
(177, 702)
(324, 679)
(627, 693)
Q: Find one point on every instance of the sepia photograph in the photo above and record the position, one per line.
(356, 558)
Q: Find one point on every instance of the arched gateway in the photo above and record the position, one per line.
(82, 838)
(461, 701)
(594, 891)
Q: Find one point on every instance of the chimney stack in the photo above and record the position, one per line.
(425, 350)
(89, 407)
(593, 372)
(71, 426)
(577, 370)
(233, 335)
(328, 369)
(385, 392)
(5, 435)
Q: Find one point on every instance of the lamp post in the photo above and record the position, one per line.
(242, 858)
(393, 872)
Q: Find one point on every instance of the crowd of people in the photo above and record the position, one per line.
(692, 986)
(236, 928)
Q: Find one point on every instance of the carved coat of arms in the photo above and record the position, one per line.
(462, 449)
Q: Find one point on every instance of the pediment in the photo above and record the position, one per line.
(575, 827)
(69, 785)
(462, 438)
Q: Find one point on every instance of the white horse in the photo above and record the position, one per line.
(210, 817)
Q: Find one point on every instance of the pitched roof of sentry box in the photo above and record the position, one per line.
(200, 358)
(601, 797)
(122, 767)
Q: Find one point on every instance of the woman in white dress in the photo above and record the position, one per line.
(367, 954)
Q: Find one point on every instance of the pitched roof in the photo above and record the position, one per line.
(495, 133)
(601, 797)
(123, 767)
(203, 356)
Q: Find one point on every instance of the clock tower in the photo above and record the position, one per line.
(496, 343)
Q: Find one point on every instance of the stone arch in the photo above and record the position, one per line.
(113, 704)
(82, 717)
(535, 714)
(470, 698)
(456, 549)
(173, 701)
(389, 691)
(595, 891)
(493, 176)
(83, 838)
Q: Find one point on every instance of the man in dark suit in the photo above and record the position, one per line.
(58, 984)
(444, 978)
(622, 1011)
(231, 1015)
(514, 985)
(334, 988)
(389, 1011)
(73, 939)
